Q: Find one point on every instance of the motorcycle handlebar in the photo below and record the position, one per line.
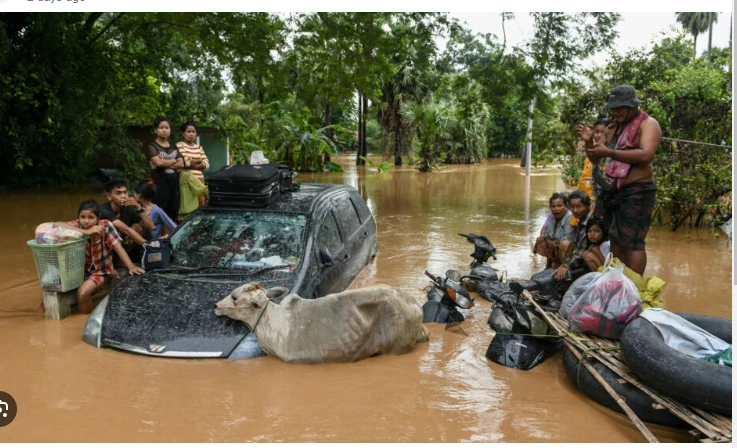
(432, 277)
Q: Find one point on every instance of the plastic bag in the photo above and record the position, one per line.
(47, 233)
(574, 292)
(723, 358)
(653, 287)
(257, 158)
(607, 305)
(649, 289)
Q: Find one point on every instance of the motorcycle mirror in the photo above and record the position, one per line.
(453, 275)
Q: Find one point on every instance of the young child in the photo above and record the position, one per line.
(598, 247)
(195, 159)
(103, 239)
(144, 195)
(586, 182)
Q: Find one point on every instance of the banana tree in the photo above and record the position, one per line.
(308, 146)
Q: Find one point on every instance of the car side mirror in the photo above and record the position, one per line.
(325, 258)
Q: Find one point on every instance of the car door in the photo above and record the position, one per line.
(329, 256)
(355, 256)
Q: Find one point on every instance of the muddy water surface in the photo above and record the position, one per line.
(444, 391)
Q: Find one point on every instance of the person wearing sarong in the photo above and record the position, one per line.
(631, 141)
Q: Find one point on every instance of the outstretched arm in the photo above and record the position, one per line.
(87, 232)
(121, 227)
(132, 269)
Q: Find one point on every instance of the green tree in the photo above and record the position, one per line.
(697, 23)
(561, 41)
(433, 123)
(412, 50)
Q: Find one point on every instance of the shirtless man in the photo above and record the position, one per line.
(627, 212)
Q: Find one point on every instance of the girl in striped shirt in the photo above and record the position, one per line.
(195, 159)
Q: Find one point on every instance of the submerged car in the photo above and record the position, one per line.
(312, 242)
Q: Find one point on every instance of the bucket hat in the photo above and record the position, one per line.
(622, 96)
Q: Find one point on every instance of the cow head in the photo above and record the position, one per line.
(245, 303)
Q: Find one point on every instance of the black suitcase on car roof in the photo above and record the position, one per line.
(249, 185)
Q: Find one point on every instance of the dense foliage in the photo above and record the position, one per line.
(302, 87)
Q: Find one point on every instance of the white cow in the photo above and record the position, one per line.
(342, 327)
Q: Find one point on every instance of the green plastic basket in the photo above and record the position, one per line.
(60, 266)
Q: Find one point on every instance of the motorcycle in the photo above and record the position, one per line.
(480, 269)
(444, 298)
(448, 294)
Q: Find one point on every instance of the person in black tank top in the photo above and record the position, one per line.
(164, 160)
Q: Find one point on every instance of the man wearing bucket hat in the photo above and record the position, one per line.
(631, 141)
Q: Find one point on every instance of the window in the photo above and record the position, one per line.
(241, 239)
(361, 207)
(348, 215)
(329, 237)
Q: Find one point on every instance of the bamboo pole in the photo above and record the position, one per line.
(618, 398)
(614, 363)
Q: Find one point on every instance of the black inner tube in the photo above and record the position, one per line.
(689, 380)
(637, 400)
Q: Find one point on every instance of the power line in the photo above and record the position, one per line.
(696, 143)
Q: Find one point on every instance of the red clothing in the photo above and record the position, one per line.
(627, 140)
(99, 252)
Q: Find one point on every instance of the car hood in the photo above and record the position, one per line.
(164, 315)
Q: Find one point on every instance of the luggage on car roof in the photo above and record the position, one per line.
(250, 185)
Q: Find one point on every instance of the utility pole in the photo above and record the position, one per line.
(528, 138)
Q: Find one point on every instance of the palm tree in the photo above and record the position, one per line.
(434, 123)
(697, 23)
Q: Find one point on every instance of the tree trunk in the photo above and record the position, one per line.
(359, 161)
(398, 146)
(364, 147)
(328, 131)
(694, 45)
(729, 81)
(708, 47)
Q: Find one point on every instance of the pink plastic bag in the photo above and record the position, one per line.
(48, 233)
(607, 306)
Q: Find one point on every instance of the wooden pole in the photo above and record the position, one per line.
(618, 398)
(710, 427)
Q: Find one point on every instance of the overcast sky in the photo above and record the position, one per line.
(636, 29)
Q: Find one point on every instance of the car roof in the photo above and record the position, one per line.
(300, 201)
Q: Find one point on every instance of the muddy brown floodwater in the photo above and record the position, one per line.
(443, 391)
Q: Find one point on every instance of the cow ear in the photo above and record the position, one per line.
(255, 305)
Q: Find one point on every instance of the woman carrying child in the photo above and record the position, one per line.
(163, 225)
(103, 240)
(598, 247)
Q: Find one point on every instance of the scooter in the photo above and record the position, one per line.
(482, 250)
(444, 298)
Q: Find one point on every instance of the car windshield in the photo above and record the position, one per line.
(239, 240)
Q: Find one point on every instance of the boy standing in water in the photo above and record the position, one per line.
(103, 241)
